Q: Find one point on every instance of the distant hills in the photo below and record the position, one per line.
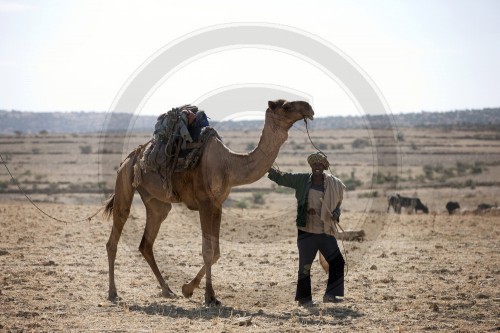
(18, 122)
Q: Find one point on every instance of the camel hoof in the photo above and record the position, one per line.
(168, 294)
(212, 301)
(113, 297)
(187, 291)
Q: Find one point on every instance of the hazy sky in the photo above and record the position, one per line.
(435, 55)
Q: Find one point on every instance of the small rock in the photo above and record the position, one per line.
(373, 267)
(244, 321)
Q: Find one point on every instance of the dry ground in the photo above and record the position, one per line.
(413, 273)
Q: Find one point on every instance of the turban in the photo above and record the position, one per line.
(318, 158)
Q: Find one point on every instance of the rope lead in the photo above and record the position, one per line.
(88, 219)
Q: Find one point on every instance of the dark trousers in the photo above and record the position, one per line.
(308, 245)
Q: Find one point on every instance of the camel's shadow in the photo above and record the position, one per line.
(312, 315)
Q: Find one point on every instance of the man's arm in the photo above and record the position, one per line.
(287, 179)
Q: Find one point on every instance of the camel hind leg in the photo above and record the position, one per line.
(119, 205)
(156, 213)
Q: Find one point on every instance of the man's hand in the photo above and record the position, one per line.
(336, 214)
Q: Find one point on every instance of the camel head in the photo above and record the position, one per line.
(284, 114)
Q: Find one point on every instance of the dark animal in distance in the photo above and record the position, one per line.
(451, 206)
(413, 204)
(484, 206)
(393, 201)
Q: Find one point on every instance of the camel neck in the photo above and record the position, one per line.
(252, 166)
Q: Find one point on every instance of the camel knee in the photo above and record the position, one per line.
(111, 248)
(146, 249)
(215, 258)
(122, 214)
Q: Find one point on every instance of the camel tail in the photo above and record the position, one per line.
(108, 207)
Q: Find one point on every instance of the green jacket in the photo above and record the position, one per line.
(301, 182)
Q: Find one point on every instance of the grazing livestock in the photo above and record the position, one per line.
(393, 201)
(484, 206)
(413, 204)
(451, 206)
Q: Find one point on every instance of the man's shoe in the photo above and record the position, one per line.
(307, 304)
(332, 299)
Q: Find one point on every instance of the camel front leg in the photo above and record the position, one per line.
(210, 257)
(210, 224)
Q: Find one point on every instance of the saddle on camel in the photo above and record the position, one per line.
(178, 141)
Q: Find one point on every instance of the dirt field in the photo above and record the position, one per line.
(413, 273)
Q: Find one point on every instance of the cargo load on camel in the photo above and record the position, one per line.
(177, 145)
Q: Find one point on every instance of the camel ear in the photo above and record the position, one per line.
(276, 104)
(272, 105)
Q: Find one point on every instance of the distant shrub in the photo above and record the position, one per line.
(337, 146)
(371, 194)
(462, 168)
(258, 198)
(381, 178)
(428, 171)
(477, 168)
(470, 183)
(322, 146)
(251, 146)
(53, 187)
(241, 204)
(360, 143)
(105, 151)
(352, 183)
(86, 149)
(283, 190)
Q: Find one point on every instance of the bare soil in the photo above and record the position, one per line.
(413, 272)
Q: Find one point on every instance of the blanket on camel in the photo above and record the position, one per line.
(174, 150)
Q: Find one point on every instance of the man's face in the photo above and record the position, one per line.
(191, 116)
(317, 168)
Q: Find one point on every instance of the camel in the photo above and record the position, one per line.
(203, 188)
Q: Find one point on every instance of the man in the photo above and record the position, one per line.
(319, 196)
(195, 122)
